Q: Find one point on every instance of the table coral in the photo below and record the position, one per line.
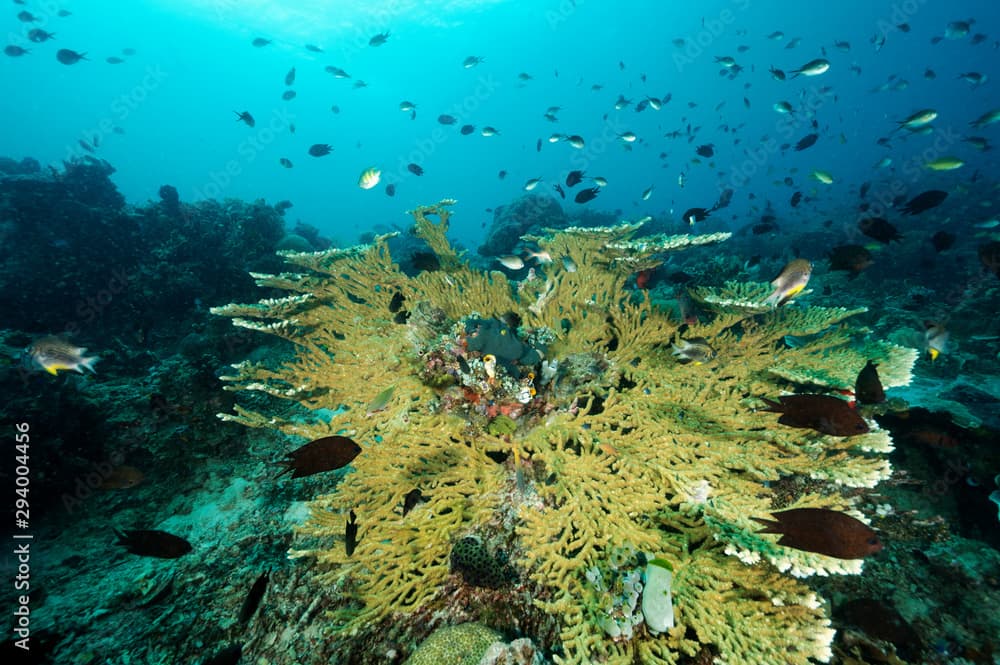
(615, 453)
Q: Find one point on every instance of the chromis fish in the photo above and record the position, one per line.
(918, 119)
(944, 164)
(987, 118)
(789, 282)
(53, 353)
(511, 262)
(823, 177)
(812, 68)
(695, 351)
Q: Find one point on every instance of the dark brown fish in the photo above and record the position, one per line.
(320, 149)
(796, 198)
(588, 194)
(229, 656)
(706, 150)
(122, 478)
(807, 141)
(415, 169)
(692, 215)
(253, 598)
(879, 229)
(324, 454)
(290, 76)
(882, 621)
(989, 256)
(924, 201)
(351, 534)
(414, 496)
(823, 531)
(823, 413)
(152, 542)
(245, 117)
(868, 387)
(390, 189)
(68, 57)
(467, 129)
(446, 119)
(942, 240)
(850, 258)
(574, 178)
(396, 302)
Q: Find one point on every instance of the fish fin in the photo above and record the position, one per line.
(54, 369)
(770, 526)
(772, 406)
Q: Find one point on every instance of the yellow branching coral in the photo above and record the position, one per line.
(546, 426)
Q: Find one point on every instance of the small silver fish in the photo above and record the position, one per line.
(511, 262)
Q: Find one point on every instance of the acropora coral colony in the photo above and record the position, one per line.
(559, 448)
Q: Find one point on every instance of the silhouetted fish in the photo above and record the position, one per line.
(414, 497)
(152, 542)
(925, 201)
(879, 229)
(253, 598)
(868, 387)
(588, 194)
(229, 656)
(68, 57)
(806, 141)
(351, 534)
(943, 240)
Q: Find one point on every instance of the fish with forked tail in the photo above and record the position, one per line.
(789, 282)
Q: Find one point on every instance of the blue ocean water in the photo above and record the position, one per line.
(194, 64)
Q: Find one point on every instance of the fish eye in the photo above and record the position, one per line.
(873, 540)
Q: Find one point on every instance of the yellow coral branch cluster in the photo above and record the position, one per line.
(624, 448)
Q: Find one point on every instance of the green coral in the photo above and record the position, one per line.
(501, 426)
(463, 644)
(622, 449)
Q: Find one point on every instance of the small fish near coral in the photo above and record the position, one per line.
(823, 413)
(868, 387)
(351, 534)
(53, 354)
(254, 597)
(325, 454)
(823, 531)
(789, 282)
(153, 542)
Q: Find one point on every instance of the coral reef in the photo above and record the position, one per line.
(611, 455)
(528, 214)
